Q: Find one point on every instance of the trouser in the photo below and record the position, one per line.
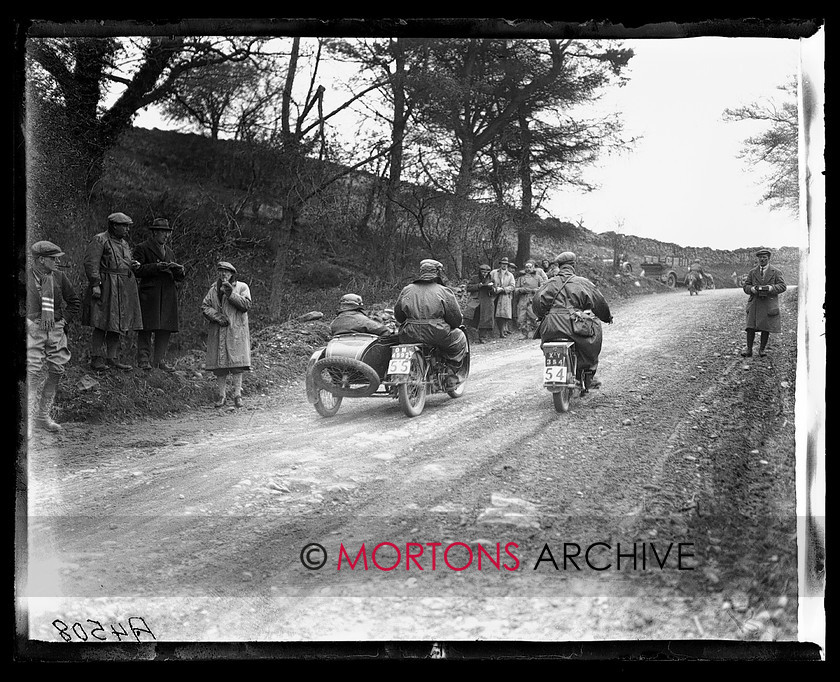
(110, 339)
(765, 337)
(144, 345)
(452, 343)
(44, 349)
(221, 381)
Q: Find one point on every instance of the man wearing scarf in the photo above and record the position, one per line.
(558, 299)
(158, 273)
(112, 304)
(428, 312)
(50, 298)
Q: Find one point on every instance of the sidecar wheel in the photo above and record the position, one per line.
(345, 377)
(562, 399)
(327, 404)
(412, 394)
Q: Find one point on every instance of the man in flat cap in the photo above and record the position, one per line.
(566, 294)
(112, 304)
(763, 285)
(428, 312)
(226, 307)
(50, 300)
(504, 284)
(350, 318)
(158, 273)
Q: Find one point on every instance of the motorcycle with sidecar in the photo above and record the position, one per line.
(360, 365)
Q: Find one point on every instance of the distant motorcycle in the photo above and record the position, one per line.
(695, 283)
(362, 365)
(560, 376)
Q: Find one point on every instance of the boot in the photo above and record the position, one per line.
(166, 367)
(114, 362)
(221, 385)
(237, 390)
(42, 416)
(97, 362)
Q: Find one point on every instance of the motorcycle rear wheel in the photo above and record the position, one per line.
(327, 404)
(412, 394)
(562, 399)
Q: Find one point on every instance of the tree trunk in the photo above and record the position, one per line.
(523, 235)
(395, 161)
(281, 257)
(462, 193)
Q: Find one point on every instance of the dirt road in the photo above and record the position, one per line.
(660, 507)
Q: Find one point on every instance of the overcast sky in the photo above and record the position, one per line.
(683, 182)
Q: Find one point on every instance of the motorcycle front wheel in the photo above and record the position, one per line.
(327, 404)
(562, 399)
(412, 394)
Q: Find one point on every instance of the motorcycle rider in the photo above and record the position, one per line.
(428, 312)
(558, 298)
(350, 318)
(696, 277)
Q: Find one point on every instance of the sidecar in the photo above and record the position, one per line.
(349, 366)
(359, 365)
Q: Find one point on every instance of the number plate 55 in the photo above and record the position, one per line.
(400, 362)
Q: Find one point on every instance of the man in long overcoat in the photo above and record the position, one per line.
(158, 273)
(111, 303)
(226, 308)
(555, 303)
(763, 285)
(479, 309)
(504, 283)
(526, 286)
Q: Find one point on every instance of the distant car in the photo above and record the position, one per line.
(671, 275)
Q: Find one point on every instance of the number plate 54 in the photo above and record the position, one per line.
(555, 374)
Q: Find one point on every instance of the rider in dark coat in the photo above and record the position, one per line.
(350, 319)
(428, 312)
(554, 303)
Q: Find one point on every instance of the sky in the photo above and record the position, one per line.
(683, 181)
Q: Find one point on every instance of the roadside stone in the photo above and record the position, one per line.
(308, 317)
(247, 575)
(626, 422)
(740, 601)
(86, 383)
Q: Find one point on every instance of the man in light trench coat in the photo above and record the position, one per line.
(226, 308)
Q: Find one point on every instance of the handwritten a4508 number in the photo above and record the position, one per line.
(99, 633)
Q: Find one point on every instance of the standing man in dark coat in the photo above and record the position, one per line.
(480, 308)
(559, 299)
(764, 284)
(50, 300)
(428, 312)
(158, 273)
(111, 303)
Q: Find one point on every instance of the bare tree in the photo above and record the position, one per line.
(776, 148)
